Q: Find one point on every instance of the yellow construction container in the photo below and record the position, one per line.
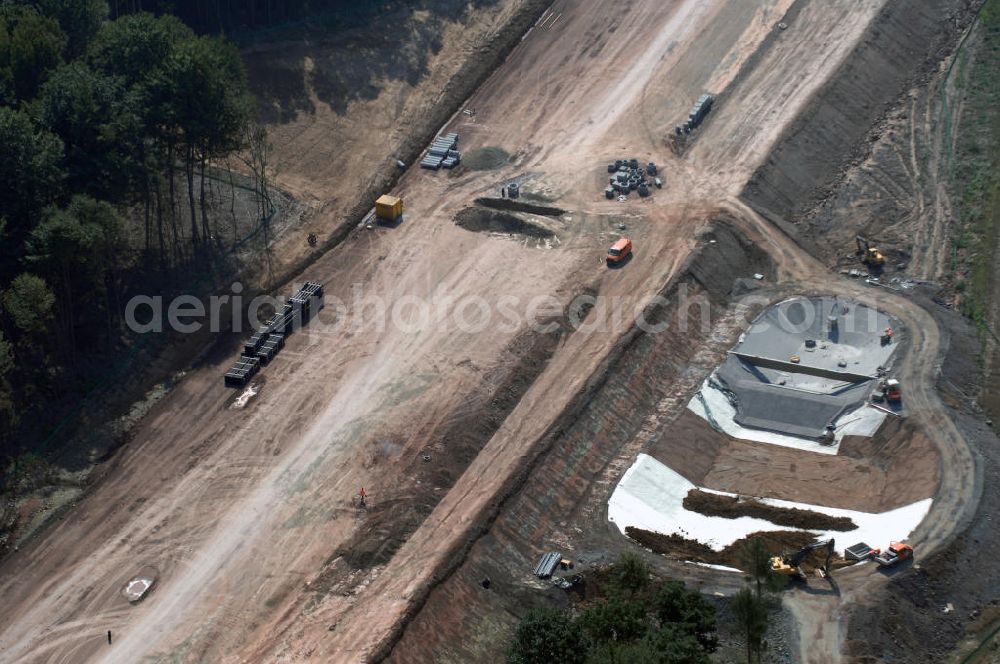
(389, 207)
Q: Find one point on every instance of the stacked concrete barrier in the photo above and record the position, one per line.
(265, 343)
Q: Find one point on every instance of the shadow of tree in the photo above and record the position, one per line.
(346, 54)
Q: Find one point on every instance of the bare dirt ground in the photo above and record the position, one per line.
(341, 107)
(247, 515)
(896, 467)
(509, 547)
(943, 603)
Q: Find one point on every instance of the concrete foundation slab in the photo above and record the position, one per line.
(852, 342)
(804, 370)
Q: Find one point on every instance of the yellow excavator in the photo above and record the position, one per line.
(870, 255)
(788, 564)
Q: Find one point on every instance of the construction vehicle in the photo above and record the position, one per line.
(895, 554)
(891, 391)
(567, 582)
(389, 209)
(788, 564)
(870, 255)
(619, 251)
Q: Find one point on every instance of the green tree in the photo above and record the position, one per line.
(36, 46)
(615, 621)
(547, 636)
(8, 413)
(79, 249)
(630, 574)
(29, 302)
(751, 618)
(80, 20)
(6, 357)
(688, 611)
(192, 102)
(91, 114)
(30, 176)
(677, 644)
(756, 561)
(110, 255)
(137, 48)
(208, 103)
(624, 653)
(669, 645)
(6, 73)
(8, 422)
(137, 51)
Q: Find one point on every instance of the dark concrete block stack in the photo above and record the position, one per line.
(270, 348)
(697, 114)
(241, 373)
(265, 343)
(443, 153)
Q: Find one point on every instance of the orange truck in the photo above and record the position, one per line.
(895, 554)
(619, 251)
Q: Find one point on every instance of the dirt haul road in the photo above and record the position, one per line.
(818, 615)
(244, 513)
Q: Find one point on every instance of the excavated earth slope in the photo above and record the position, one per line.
(902, 47)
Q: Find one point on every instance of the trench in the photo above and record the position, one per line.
(515, 205)
(481, 220)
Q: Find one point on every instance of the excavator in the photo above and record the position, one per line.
(870, 255)
(788, 564)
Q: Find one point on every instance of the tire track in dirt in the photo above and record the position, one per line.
(234, 548)
(793, 265)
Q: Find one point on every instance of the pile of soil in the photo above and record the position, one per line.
(513, 205)
(733, 507)
(480, 220)
(675, 546)
(485, 159)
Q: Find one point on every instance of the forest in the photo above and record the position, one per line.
(248, 18)
(224, 16)
(114, 127)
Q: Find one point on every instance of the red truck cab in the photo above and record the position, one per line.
(619, 251)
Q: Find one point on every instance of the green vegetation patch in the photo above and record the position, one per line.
(637, 618)
(976, 172)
